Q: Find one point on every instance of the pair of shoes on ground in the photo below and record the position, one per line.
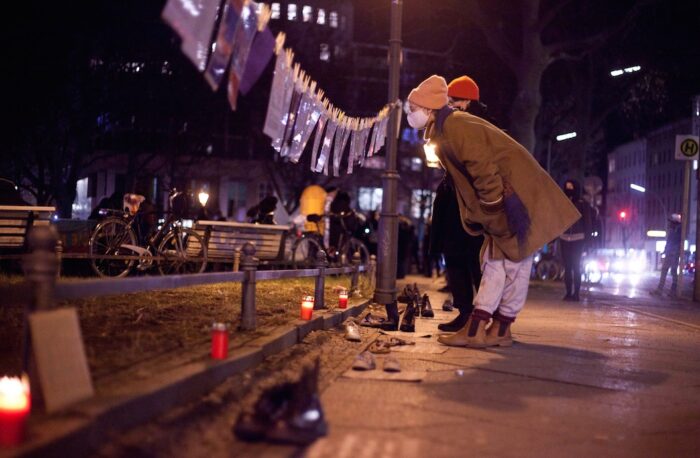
(289, 413)
(476, 333)
(365, 362)
(383, 344)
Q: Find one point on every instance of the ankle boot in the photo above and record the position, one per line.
(472, 335)
(459, 321)
(426, 309)
(408, 324)
(498, 334)
(392, 317)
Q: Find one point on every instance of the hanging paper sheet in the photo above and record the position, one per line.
(341, 140)
(193, 20)
(354, 142)
(243, 39)
(307, 117)
(280, 97)
(322, 120)
(326, 147)
(362, 148)
(221, 53)
(291, 121)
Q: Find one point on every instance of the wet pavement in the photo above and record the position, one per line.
(609, 376)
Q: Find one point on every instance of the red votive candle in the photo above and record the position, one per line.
(343, 299)
(14, 410)
(219, 341)
(307, 307)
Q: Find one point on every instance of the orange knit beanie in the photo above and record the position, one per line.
(431, 93)
(463, 88)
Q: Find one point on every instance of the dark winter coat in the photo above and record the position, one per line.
(585, 223)
(446, 233)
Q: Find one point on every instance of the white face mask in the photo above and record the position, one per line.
(418, 119)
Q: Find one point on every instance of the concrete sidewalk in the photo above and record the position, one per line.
(600, 378)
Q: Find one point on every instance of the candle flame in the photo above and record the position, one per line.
(14, 393)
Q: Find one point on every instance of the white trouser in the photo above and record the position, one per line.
(503, 285)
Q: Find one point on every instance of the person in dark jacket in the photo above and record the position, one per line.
(573, 241)
(672, 252)
(461, 252)
(264, 211)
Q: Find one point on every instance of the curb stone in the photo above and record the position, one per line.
(83, 427)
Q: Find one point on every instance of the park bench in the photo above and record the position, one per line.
(16, 221)
(224, 239)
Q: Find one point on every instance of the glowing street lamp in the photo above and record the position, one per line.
(619, 72)
(203, 198)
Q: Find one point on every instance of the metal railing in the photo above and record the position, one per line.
(41, 288)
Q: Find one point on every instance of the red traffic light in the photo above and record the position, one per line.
(622, 215)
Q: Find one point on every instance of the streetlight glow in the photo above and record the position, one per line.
(636, 187)
(431, 159)
(618, 72)
(659, 234)
(566, 136)
(203, 198)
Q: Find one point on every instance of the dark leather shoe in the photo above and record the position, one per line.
(426, 310)
(456, 324)
(408, 324)
(392, 318)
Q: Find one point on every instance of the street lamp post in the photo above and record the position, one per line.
(643, 190)
(385, 292)
(560, 138)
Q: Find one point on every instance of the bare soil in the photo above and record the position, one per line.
(127, 330)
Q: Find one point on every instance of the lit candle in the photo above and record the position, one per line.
(343, 299)
(219, 341)
(307, 307)
(14, 410)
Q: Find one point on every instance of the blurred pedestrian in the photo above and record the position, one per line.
(573, 241)
(504, 194)
(672, 253)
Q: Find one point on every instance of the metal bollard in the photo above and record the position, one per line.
(319, 292)
(354, 280)
(249, 265)
(59, 256)
(372, 271)
(40, 267)
(236, 259)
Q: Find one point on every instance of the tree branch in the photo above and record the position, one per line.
(496, 41)
(546, 18)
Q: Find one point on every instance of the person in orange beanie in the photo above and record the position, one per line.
(461, 92)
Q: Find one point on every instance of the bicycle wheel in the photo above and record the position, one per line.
(352, 246)
(182, 251)
(107, 240)
(304, 253)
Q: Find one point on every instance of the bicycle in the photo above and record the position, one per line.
(311, 242)
(114, 246)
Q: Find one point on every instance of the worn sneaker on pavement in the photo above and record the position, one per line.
(352, 331)
(364, 362)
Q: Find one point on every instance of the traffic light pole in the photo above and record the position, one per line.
(385, 292)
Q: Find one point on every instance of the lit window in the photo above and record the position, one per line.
(416, 164)
(307, 13)
(333, 19)
(369, 199)
(325, 52)
(321, 16)
(275, 11)
(292, 12)
(421, 200)
(258, 8)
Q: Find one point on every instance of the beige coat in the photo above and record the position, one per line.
(491, 157)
